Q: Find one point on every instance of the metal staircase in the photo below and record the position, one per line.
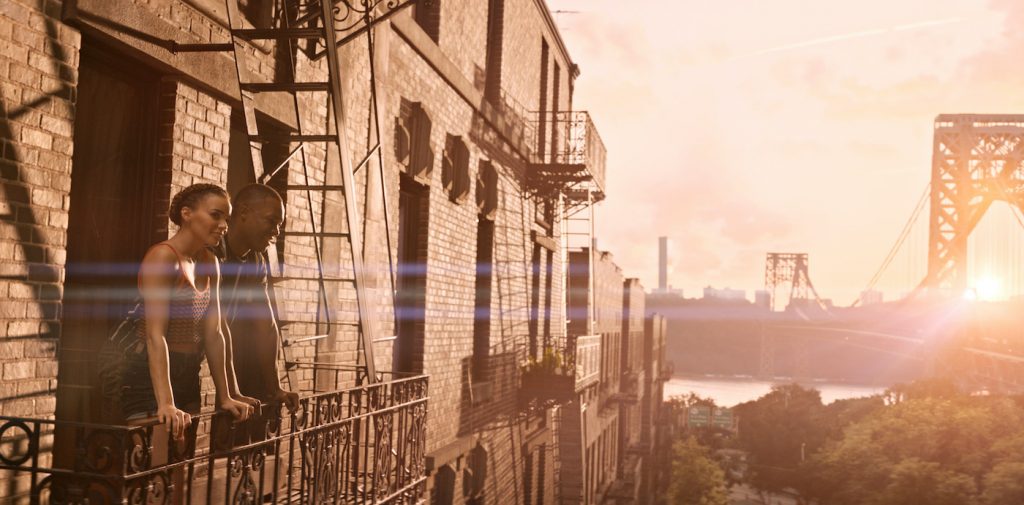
(315, 23)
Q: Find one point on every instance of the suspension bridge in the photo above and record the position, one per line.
(953, 279)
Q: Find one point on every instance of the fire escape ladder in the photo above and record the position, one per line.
(315, 22)
(510, 265)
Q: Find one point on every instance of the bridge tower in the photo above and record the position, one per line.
(787, 268)
(977, 159)
(781, 269)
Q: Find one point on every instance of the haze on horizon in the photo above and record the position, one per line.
(744, 127)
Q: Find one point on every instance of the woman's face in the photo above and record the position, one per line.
(208, 220)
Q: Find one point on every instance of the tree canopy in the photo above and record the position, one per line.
(696, 478)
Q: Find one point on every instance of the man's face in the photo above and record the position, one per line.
(261, 223)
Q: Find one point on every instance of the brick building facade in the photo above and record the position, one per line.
(104, 117)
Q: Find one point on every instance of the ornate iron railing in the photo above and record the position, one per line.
(572, 139)
(364, 444)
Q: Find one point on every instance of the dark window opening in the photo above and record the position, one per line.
(548, 292)
(410, 302)
(427, 14)
(482, 305)
(534, 323)
(444, 486)
(556, 83)
(495, 31)
(543, 106)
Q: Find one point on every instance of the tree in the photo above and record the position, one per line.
(931, 450)
(916, 482)
(1004, 484)
(696, 478)
(779, 430)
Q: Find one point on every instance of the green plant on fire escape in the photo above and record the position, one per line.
(550, 363)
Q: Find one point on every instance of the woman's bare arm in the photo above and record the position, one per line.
(157, 277)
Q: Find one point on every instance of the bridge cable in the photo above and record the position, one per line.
(899, 241)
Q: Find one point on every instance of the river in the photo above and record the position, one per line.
(731, 391)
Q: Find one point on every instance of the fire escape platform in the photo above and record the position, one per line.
(573, 366)
(572, 161)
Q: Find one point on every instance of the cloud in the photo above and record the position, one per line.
(812, 143)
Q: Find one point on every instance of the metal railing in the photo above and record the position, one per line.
(516, 123)
(364, 444)
(580, 356)
(572, 139)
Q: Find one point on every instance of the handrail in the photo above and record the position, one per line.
(365, 443)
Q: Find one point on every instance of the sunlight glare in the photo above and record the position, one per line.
(988, 288)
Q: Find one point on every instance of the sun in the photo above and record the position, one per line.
(988, 288)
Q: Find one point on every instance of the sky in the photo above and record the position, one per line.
(742, 127)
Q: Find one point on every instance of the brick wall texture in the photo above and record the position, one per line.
(197, 137)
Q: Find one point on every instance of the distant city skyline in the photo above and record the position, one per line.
(745, 127)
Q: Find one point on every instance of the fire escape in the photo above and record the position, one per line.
(359, 435)
(569, 168)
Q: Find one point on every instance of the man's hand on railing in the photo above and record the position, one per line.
(250, 401)
(240, 411)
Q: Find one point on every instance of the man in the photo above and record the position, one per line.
(256, 218)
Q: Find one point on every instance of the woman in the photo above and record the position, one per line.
(179, 283)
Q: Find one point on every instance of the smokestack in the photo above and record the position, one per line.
(663, 264)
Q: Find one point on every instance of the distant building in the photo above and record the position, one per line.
(724, 294)
(870, 297)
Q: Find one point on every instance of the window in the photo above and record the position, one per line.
(556, 148)
(412, 141)
(455, 169)
(495, 30)
(411, 282)
(534, 323)
(444, 486)
(543, 108)
(427, 14)
(482, 305)
(548, 293)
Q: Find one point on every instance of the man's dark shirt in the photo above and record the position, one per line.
(244, 305)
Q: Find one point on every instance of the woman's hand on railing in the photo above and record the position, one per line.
(290, 399)
(240, 411)
(175, 420)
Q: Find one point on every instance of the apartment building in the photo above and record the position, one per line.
(428, 178)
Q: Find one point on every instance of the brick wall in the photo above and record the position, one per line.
(38, 75)
(444, 79)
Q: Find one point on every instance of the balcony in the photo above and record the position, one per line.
(567, 367)
(570, 157)
(364, 444)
